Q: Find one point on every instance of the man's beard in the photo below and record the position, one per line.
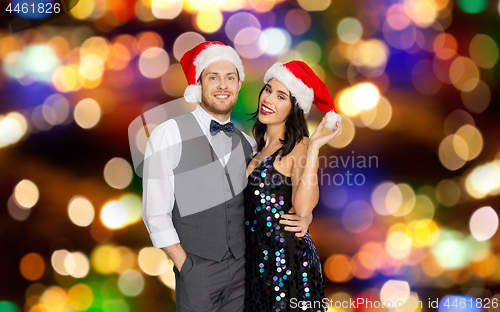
(213, 107)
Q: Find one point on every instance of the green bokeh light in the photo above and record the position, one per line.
(7, 306)
(472, 6)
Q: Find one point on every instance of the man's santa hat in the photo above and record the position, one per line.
(306, 87)
(194, 61)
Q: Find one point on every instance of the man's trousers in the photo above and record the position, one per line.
(207, 285)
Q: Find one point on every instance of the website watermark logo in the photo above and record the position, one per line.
(26, 14)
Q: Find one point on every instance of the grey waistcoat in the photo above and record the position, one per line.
(208, 212)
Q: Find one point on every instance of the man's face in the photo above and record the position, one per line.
(219, 87)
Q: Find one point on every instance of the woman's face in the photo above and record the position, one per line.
(274, 103)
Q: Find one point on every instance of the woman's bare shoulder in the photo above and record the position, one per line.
(300, 148)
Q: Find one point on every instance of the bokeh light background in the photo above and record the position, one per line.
(416, 82)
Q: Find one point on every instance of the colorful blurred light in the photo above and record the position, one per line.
(394, 291)
(114, 215)
(81, 211)
(153, 261)
(118, 173)
(80, 297)
(317, 5)
(154, 62)
(87, 113)
(166, 9)
(484, 223)
(274, 41)
(26, 194)
(297, 21)
(105, 259)
(131, 283)
(357, 216)
(338, 268)
(209, 20)
(349, 30)
(32, 266)
(186, 42)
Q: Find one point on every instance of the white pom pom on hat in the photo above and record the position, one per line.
(306, 87)
(194, 61)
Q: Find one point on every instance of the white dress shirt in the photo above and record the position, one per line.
(158, 194)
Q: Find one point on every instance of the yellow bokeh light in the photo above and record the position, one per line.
(91, 67)
(114, 215)
(26, 194)
(316, 5)
(166, 9)
(57, 261)
(105, 259)
(87, 113)
(76, 264)
(485, 178)
(473, 139)
(365, 96)
(153, 261)
(378, 199)
(348, 132)
(54, 299)
(372, 53)
(80, 297)
(154, 62)
(95, 45)
(472, 189)
(394, 291)
(209, 21)
(423, 210)
(118, 173)
(12, 128)
(464, 74)
(346, 103)
(422, 12)
(448, 192)
(168, 277)
(425, 233)
(83, 10)
(398, 245)
(452, 152)
(400, 199)
(133, 204)
(81, 211)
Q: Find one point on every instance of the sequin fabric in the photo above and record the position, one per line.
(283, 273)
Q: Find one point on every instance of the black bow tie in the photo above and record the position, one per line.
(215, 127)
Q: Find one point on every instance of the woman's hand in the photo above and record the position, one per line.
(318, 138)
(295, 223)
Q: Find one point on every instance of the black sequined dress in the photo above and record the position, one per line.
(282, 271)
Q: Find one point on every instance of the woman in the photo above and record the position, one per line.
(284, 271)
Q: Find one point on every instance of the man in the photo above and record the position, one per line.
(194, 175)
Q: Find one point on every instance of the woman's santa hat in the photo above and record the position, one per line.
(194, 61)
(306, 87)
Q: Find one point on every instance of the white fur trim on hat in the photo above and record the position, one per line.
(331, 120)
(303, 94)
(217, 52)
(192, 94)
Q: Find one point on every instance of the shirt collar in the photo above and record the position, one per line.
(206, 118)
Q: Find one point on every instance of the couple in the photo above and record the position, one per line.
(205, 199)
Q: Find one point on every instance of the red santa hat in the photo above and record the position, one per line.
(194, 61)
(306, 87)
